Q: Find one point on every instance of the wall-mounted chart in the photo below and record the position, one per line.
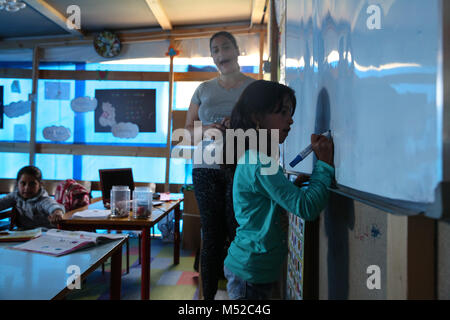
(294, 286)
(134, 106)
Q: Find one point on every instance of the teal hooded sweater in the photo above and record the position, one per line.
(261, 199)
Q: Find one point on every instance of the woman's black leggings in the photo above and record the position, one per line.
(213, 191)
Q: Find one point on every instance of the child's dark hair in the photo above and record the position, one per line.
(33, 171)
(226, 35)
(258, 99)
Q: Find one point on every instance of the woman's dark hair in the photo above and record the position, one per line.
(226, 35)
(33, 171)
(257, 100)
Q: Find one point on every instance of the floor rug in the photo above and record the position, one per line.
(167, 281)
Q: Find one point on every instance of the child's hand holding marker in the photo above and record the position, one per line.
(322, 147)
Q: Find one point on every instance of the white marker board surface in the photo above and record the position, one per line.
(371, 71)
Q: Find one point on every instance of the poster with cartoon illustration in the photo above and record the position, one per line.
(125, 112)
(57, 90)
(83, 104)
(56, 133)
(17, 109)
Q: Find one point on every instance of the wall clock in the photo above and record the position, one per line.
(107, 44)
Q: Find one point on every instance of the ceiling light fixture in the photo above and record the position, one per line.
(12, 5)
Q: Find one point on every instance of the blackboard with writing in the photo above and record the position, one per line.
(116, 106)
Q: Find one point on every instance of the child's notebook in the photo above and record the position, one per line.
(60, 242)
(18, 236)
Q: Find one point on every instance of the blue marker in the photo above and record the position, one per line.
(302, 155)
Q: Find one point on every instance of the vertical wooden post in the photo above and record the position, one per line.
(33, 97)
(421, 258)
(397, 257)
(274, 49)
(261, 54)
(411, 258)
(169, 125)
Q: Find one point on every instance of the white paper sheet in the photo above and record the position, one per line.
(92, 214)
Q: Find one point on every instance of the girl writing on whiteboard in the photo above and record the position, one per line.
(261, 199)
(33, 206)
(211, 107)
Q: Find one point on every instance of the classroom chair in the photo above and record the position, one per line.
(11, 215)
(51, 185)
(7, 186)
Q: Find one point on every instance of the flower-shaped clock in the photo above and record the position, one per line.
(107, 44)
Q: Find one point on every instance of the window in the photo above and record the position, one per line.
(16, 115)
(145, 169)
(57, 124)
(182, 94)
(55, 166)
(11, 163)
(180, 171)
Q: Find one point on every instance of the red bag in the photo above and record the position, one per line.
(71, 194)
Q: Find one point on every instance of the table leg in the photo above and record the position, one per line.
(145, 271)
(177, 238)
(116, 274)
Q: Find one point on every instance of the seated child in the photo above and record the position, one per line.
(261, 199)
(34, 207)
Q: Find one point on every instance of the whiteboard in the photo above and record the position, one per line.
(371, 71)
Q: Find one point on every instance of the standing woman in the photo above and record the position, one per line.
(212, 104)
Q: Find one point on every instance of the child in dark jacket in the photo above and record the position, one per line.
(34, 207)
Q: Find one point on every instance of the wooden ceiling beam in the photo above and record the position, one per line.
(110, 76)
(129, 37)
(258, 7)
(159, 13)
(189, 33)
(53, 15)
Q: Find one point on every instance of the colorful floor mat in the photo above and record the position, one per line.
(167, 281)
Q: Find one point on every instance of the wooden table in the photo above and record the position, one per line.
(34, 276)
(128, 223)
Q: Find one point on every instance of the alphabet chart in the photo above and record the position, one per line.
(295, 258)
